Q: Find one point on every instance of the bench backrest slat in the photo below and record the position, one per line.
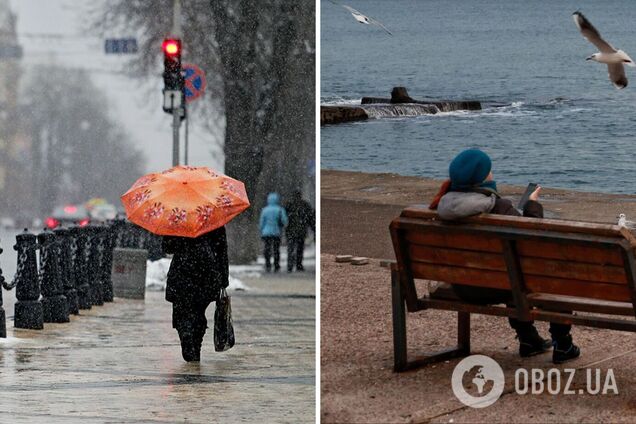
(576, 259)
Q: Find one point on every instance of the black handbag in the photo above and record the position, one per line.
(223, 328)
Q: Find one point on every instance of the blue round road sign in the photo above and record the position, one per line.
(194, 81)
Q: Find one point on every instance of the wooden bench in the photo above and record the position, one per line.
(549, 265)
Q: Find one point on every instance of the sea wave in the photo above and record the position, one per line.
(514, 109)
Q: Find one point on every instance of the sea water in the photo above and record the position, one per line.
(563, 124)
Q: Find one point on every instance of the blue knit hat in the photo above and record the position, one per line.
(469, 168)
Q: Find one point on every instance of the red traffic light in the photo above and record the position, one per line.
(171, 47)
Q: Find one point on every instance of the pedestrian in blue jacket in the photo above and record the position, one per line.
(273, 221)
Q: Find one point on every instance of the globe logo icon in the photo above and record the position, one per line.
(478, 381)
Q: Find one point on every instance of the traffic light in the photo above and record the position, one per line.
(172, 78)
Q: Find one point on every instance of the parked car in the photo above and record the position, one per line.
(7, 223)
(67, 215)
(103, 213)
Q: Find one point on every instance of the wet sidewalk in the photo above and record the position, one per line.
(121, 362)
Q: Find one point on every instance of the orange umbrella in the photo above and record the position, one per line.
(184, 201)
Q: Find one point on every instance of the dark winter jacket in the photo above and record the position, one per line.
(301, 217)
(199, 267)
(456, 204)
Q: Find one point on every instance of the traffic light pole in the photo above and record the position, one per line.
(176, 123)
(185, 154)
(176, 18)
(176, 111)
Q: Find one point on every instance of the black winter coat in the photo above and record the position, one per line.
(532, 209)
(301, 217)
(199, 267)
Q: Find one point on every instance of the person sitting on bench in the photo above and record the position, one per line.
(472, 190)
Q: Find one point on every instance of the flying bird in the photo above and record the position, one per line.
(614, 59)
(363, 19)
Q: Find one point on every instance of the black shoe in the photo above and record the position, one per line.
(276, 268)
(189, 349)
(300, 268)
(564, 350)
(533, 344)
(289, 270)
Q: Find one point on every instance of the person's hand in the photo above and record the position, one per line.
(535, 194)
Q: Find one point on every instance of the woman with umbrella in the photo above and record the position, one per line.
(198, 271)
(189, 206)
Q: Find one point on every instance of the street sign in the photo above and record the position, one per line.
(120, 46)
(9, 51)
(194, 81)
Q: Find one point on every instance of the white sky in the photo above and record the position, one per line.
(149, 127)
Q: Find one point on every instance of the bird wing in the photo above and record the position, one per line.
(617, 75)
(363, 19)
(357, 15)
(591, 34)
(352, 10)
(373, 21)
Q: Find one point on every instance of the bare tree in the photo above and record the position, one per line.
(77, 151)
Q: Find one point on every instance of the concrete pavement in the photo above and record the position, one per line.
(121, 362)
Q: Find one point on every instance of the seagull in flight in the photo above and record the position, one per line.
(363, 19)
(614, 59)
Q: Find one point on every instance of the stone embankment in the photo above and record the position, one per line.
(400, 104)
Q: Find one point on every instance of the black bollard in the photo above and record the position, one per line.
(107, 265)
(66, 269)
(155, 250)
(100, 237)
(92, 265)
(79, 255)
(53, 300)
(134, 236)
(143, 238)
(3, 318)
(124, 234)
(118, 232)
(28, 309)
(129, 236)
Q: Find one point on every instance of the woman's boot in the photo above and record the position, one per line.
(564, 349)
(190, 351)
(530, 342)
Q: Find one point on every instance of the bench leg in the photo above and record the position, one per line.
(400, 362)
(463, 332)
(399, 324)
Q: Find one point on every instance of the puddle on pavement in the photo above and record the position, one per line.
(23, 357)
